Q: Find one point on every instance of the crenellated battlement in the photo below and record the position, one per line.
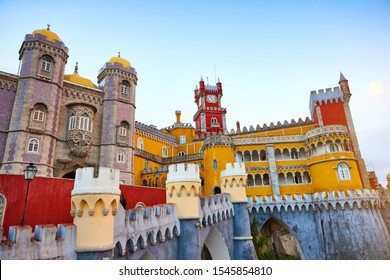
(107, 181)
(183, 173)
(320, 200)
(234, 169)
(327, 95)
(215, 208)
(272, 126)
(147, 226)
(48, 242)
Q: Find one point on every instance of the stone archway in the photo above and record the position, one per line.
(282, 242)
(215, 247)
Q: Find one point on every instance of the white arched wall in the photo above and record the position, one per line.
(216, 245)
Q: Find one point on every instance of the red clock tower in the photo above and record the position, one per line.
(210, 116)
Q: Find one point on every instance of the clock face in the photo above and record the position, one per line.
(211, 98)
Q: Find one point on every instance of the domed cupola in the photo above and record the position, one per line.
(50, 36)
(118, 59)
(77, 79)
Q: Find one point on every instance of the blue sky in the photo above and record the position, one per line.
(268, 55)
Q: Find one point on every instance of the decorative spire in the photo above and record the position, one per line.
(76, 67)
(48, 27)
(218, 80)
(201, 78)
(119, 54)
(342, 78)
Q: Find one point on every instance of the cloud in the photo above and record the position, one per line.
(371, 115)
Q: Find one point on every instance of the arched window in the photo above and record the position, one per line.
(121, 157)
(214, 122)
(247, 156)
(250, 182)
(124, 90)
(123, 130)
(239, 157)
(122, 133)
(82, 122)
(38, 118)
(46, 63)
(33, 145)
(164, 151)
(266, 181)
(181, 153)
(298, 178)
(140, 144)
(258, 181)
(263, 155)
(343, 171)
(255, 155)
(294, 153)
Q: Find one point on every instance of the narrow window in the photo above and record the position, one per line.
(121, 157)
(183, 139)
(140, 144)
(46, 64)
(122, 131)
(164, 151)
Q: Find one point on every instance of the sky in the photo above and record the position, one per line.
(268, 55)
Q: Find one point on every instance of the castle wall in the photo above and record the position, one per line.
(48, 242)
(7, 94)
(335, 232)
(49, 199)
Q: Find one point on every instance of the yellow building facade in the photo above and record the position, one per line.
(296, 157)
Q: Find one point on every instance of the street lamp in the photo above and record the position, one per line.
(29, 175)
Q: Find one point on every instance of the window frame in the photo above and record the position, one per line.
(46, 64)
(343, 171)
(33, 147)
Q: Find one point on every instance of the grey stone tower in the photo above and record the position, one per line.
(34, 122)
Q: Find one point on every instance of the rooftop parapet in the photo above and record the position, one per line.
(272, 126)
(107, 182)
(328, 95)
(183, 173)
(351, 198)
(326, 130)
(235, 169)
(48, 243)
(147, 226)
(215, 208)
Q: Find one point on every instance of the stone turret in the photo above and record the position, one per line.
(183, 184)
(94, 204)
(233, 181)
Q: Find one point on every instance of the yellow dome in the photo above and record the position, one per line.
(51, 36)
(125, 63)
(77, 79)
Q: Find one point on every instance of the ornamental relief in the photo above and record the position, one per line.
(79, 133)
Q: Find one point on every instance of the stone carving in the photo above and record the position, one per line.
(79, 135)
